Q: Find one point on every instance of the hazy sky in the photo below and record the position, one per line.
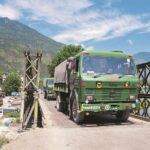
(96, 24)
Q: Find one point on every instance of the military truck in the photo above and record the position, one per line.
(97, 82)
(48, 85)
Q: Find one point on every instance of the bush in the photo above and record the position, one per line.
(14, 114)
(12, 83)
(3, 140)
(17, 120)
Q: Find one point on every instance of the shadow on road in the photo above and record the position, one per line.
(95, 120)
(103, 120)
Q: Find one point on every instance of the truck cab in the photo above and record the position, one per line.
(48, 88)
(101, 82)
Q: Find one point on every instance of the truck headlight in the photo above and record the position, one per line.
(99, 84)
(132, 97)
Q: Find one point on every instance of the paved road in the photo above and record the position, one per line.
(98, 133)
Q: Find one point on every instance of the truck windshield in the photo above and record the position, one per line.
(50, 82)
(108, 65)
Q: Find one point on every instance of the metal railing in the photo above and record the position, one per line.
(144, 90)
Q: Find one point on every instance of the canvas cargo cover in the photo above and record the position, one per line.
(60, 74)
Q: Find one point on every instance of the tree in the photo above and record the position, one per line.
(12, 83)
(1, 77)
(66, 52)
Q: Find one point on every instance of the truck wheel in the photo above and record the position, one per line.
(59, 104)
(45, 95)
(122, 116)
(78, 117)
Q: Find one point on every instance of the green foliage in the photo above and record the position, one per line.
(1, 78)
(14, 114)
(12, 83)
(3, 140)
(41, 84)
(66, 52)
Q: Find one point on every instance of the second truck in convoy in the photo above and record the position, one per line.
(95, 82)
(48, 85)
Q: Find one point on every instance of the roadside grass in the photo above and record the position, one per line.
(1, 122)
(3, 141)
(16, 115)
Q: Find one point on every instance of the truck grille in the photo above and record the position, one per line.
(111, 94)
(113, 84)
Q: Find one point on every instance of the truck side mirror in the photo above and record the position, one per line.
(73, 65)
(70, 65)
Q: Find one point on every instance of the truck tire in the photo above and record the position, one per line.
(78, 117)
(59, 104)
(122, 116)
(45, 95)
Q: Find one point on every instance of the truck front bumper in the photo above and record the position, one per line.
(51, 96)
(109, 107)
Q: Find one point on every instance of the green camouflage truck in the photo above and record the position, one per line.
(48, 85)
(94, 82)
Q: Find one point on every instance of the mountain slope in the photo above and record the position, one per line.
(15, 38)
(142, 57)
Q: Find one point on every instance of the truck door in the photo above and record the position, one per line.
(74, 77)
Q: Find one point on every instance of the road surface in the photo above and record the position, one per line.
(98, 133)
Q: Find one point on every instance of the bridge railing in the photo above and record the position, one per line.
(30, 110)
(144, 90)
